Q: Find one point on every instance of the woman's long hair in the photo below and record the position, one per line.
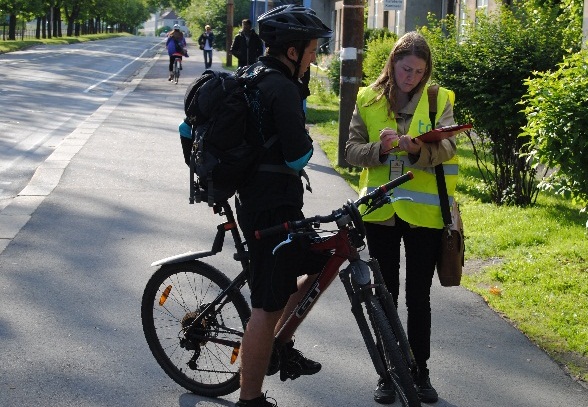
(411, 43)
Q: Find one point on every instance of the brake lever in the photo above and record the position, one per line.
(400, 198)
(285, 242)
(388, 200)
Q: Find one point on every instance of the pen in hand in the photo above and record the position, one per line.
(388, 140)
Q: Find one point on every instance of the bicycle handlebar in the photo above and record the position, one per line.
(375, 197)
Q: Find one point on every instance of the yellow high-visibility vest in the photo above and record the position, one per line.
(424, 209)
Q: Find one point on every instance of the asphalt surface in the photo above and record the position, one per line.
(78, 241)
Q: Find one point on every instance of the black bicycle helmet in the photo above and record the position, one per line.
(289, 23)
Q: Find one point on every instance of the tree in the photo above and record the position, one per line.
(14, 9)
(72, 9)
(487, 68)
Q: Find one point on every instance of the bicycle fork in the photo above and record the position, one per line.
(391, 311)
(356, 281)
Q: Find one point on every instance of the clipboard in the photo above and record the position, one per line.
(444, 132)
(438, 134)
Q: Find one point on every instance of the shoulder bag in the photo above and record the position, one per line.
(450, 259)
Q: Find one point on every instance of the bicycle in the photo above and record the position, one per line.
(194, 316)
(177, 67)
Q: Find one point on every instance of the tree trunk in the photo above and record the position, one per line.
(12, 27)
(56, 22)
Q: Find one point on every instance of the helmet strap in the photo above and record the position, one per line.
(299, 61)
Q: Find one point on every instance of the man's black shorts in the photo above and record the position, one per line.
(273, 276)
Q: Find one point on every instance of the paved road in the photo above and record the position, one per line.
(112, 198)
(48, 91)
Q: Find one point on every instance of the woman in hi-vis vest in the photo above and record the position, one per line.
(388, 114)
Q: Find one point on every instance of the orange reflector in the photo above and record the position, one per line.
(165, 294)
(234, 355)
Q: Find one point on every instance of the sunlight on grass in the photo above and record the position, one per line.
(533, 261)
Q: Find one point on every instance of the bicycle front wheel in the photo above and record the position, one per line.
(202, 359)
(391, 354)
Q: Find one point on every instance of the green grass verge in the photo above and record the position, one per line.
(529, 264)
(9, 46)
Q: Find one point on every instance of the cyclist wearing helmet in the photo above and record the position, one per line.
(291, 35)
(176, 47)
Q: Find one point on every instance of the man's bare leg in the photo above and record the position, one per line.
(304, 284)
(256, 349)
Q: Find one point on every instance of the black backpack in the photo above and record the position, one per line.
(179, 48)
(224, 111)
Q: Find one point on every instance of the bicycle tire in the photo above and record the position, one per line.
(176, 71)
(203, 367)
(391, 354)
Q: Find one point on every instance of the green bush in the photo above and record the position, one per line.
(164, 29)
(334, 74)
(378, 51)
(556, 105)
(370, 34)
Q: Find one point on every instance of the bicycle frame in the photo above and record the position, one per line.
(343, 251)
(357, 283)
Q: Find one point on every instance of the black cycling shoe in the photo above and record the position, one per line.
(291, 363)
(297, 361)
(425, 390)
(384, 393)
(261, 401)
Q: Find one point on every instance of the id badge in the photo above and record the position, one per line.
(396, 167)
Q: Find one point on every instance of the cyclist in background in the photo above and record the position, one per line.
(291, 34)
(176, 48)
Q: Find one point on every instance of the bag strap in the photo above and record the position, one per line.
(283, 169)
(432, 93)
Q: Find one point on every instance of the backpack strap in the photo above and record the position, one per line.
(283, 169)
(432, 93)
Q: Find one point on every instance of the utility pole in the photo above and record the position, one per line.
(351, 59)
(229, 42)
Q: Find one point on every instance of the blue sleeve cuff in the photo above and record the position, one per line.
(185, 130)
(300, 163)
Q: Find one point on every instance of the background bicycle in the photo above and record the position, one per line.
(177, 67)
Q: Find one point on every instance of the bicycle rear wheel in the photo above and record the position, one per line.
(201, 360)
(391, 354)
(176, 70)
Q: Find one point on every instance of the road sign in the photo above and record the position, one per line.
(393, 4)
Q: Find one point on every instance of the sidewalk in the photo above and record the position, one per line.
(114, 198)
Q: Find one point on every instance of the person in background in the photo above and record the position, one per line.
(247, 46)
(206, 43)
(388, 115)
(291, 34)
(176, 47)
